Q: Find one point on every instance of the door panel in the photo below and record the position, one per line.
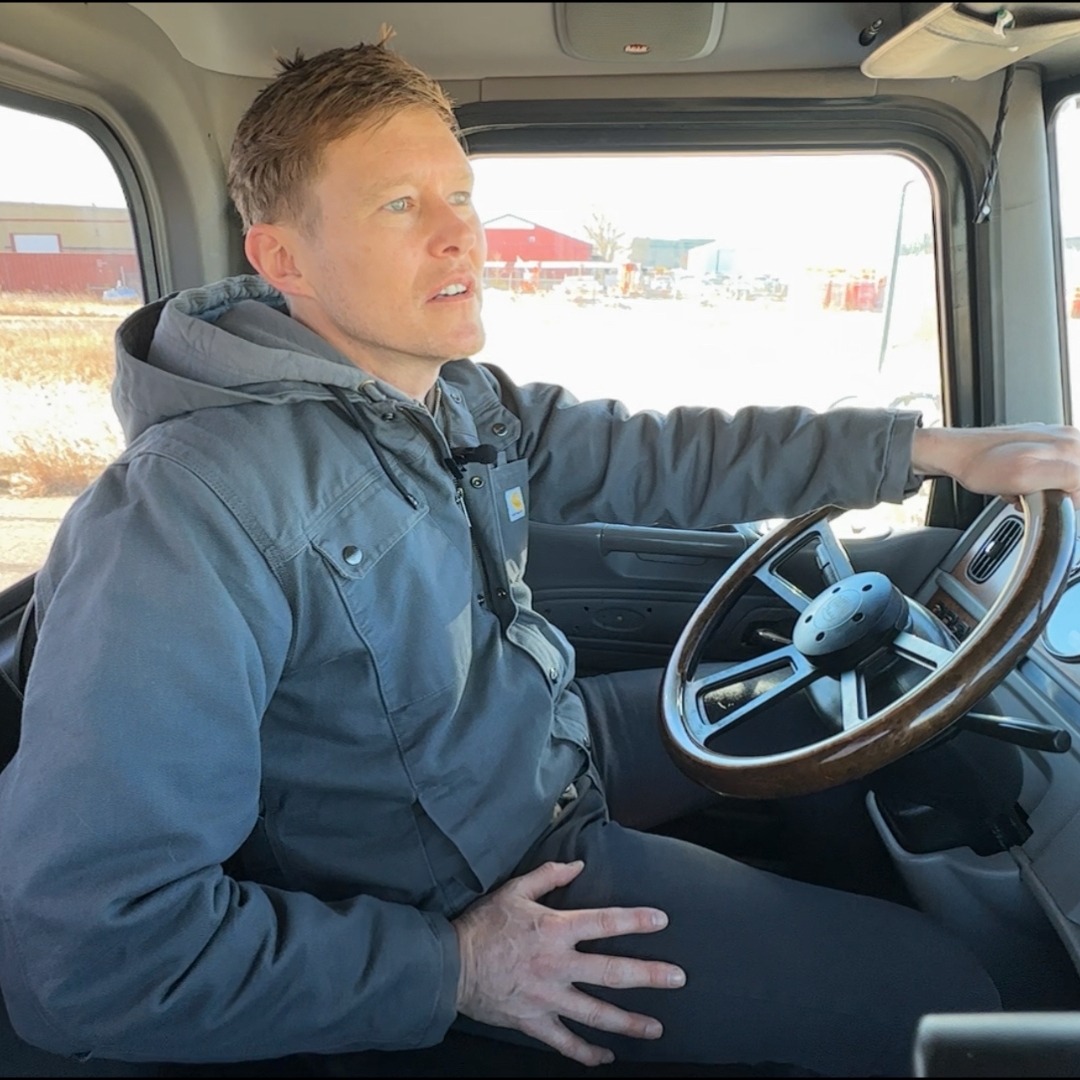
(622, 594)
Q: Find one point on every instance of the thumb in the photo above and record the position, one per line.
(552, 875)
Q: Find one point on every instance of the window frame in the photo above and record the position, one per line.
(1054, 96)
(113, 148)
(16, 596)
(947, 146)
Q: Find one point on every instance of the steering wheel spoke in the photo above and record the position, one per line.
(853, 707)
(832, 558)
(783, 588)
(920, 651)
(832, 561)
(722, 700)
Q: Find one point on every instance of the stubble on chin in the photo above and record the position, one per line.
(366, 345)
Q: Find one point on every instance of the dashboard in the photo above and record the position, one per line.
(968, 582)
(1043, 688)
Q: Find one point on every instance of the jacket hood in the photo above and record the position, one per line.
(228, 343)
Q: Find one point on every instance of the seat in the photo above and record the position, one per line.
(25, 643)
(11, 700)
(11, 685)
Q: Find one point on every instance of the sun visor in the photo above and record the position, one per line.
(968, 41)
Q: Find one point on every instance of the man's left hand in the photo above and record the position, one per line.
(1007, 461)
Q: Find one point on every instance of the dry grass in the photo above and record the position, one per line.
(38, 350)
(47, 465)
(47, 341)
(61, 350)
(53, 305)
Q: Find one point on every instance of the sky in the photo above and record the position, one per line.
(1067, 143)
(815, 209)
(53, 162)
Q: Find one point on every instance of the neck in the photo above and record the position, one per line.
(412, 375)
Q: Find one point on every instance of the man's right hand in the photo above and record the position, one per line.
(519, 964)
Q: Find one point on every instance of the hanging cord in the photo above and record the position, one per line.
(346, 408)
(986, 199)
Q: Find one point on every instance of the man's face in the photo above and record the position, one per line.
(393, 265)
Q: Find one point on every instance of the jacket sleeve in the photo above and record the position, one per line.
(163, 636)
(698, 467)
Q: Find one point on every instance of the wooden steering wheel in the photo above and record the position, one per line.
(847, 625)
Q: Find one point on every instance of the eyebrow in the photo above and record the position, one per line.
(406, 179)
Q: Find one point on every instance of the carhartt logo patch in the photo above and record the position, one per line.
(515, 504)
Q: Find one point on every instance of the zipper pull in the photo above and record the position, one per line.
(459, 498)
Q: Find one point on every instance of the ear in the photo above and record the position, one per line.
(273, 251)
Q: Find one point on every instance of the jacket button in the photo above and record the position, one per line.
(553, 674)
(352, 555)
(389, 415)
(477, 481)
(498, 429)
(500, 593)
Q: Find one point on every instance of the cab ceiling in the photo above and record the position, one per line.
(492, 40)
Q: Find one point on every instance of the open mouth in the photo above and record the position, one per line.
(455, 290)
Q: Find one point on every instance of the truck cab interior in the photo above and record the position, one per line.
(708, 204)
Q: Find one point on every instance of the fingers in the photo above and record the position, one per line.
(594, 1013)
(1040, 459)
(588, 924)
(544, 879)
(559, 1037)
(622, 972)
(1054, 472)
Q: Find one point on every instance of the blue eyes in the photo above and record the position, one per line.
(400, 206)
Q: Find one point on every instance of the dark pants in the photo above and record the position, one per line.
(777, 970)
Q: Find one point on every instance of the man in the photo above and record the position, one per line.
(303, 771)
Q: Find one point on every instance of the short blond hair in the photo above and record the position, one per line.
(280, 141)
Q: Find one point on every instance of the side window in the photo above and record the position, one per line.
(69, 273)
(724, 280)
(1067, 142)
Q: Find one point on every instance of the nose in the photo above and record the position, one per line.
(457, 230)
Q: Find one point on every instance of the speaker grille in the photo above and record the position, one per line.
(637, 33)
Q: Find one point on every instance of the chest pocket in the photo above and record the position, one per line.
(355, 538)
(406, 590)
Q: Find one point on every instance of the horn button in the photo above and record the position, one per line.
(849, 621)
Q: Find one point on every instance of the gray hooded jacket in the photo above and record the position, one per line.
(291, 709)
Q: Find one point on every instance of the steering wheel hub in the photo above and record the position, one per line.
(849, 621)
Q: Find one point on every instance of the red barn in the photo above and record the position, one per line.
(510, 238)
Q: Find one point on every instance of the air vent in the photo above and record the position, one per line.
(996, 550)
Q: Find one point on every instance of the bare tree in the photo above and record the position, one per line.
(605, 236)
